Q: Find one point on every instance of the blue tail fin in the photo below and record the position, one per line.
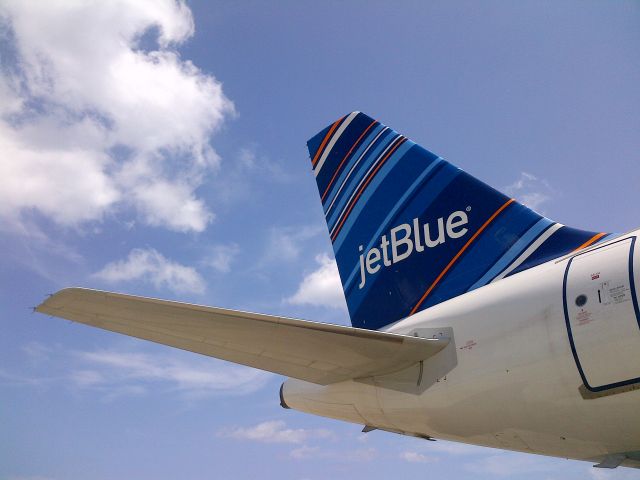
(410, 230)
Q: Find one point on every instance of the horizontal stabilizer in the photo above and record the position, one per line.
(316, 352)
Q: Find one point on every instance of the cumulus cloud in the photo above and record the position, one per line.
(150, 266)
(530, 190)
(306, 452)
(360, 455)
(220, 257)
(287, 243)
(274, 431)
(508, 464)
(98, 111)
(322, 287)
(414, 457)
(122, 372)
(133, 373)
(250, 163)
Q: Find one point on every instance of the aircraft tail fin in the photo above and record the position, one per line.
(410, 230)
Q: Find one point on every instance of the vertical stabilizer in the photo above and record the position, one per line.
(410, 230)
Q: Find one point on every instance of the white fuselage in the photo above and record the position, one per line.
(515, 382)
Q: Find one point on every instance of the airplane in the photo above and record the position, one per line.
(474, 318)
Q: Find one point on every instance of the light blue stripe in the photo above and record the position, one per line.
(392, 214)
(341, 178)
(368, 191)
(434, 188)
(353, 184)
(514, 252)
(607, 237)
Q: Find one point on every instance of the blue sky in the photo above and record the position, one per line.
(158, 148)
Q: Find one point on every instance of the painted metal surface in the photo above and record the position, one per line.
(492, 333)
(515, 385)
(317, 352)
(600, 308)
(411, 230)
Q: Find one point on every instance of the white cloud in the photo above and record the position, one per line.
(171, 204)
(37, 352)
(287, 243)
(248, 177)
(69, 186)
(274, 431)
(114, 373)
(221, 257)
(322, 287)
(277, 432)
(249, 162)
(117, 373)
(508, 464)
(11, 378)
(360, 455)
(414, 457)
(87, 378)
(99, 111)
(150, 266)
(304, 452)
(530, 190)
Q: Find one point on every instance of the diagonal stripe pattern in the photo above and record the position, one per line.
(410, 230)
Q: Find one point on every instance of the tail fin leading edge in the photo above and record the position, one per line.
(410, 230)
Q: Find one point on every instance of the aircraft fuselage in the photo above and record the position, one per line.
(544, 361)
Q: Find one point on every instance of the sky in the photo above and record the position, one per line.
(158, 148)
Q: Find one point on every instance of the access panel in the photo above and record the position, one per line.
(601, 313)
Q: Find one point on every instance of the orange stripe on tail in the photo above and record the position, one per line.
(593, 239)
(454, 259)
(324, 141)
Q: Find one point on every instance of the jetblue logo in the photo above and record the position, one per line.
(407, 238)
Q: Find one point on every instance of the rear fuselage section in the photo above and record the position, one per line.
(546, 361)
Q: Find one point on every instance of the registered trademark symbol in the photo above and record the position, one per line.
(468, 209)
